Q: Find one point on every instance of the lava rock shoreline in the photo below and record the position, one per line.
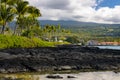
(58, 58)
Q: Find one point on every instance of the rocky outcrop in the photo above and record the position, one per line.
(58, 58)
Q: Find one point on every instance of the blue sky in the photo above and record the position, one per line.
(99, 11)
(109, 3)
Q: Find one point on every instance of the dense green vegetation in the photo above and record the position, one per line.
(99, 33)
(85, 31)
(22, 42)
(8, 41)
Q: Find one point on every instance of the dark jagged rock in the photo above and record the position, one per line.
(54, 76)
(71, 77)
(58, 58)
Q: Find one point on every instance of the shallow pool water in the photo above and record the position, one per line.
(81, 76)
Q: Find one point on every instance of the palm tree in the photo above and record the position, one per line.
(47, 31)
(26, 15)
(58, 27)
(53, 30)
(34, 13)
(7, 15)
(29, 23)
(8, 2)
(21, 9)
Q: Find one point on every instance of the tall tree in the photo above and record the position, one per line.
(34, 13)
(6, 15)
(21, 9)
(26, 15)
(8, 2)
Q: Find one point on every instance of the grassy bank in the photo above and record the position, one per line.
(7, 41)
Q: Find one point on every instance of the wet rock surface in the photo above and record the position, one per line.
(54, 76)
(58, 58)
(71, 77)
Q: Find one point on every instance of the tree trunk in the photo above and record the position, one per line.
(15, 29)
(3, 29)
(21, 30)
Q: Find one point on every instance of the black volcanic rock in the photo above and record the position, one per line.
(71, 77)
(54, 77)
(58, 58)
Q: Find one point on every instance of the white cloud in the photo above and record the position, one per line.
(79, 10)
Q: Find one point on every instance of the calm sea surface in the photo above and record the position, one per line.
(109, 47)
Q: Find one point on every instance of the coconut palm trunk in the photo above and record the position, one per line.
(3, 29)
(15, 28)
(7, 15)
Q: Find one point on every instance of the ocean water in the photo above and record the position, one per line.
(109, 47)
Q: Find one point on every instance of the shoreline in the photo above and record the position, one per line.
(59, 59)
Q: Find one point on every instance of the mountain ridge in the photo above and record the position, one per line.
(70, 23)
(74, 23)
